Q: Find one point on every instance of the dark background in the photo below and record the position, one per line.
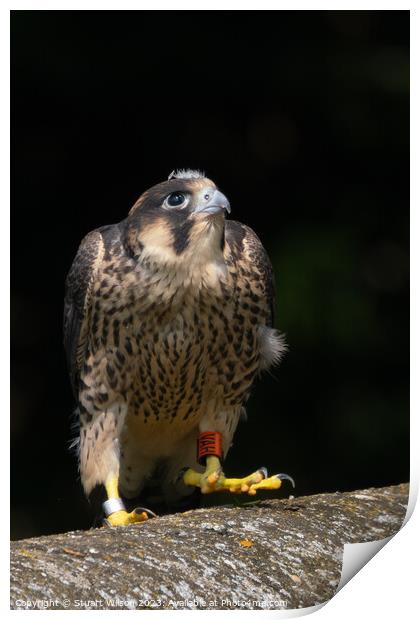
(302, 119)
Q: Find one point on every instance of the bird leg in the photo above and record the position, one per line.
(213, 479)
(114, 507)
(209, 448)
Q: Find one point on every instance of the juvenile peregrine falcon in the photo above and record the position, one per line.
(168, 319)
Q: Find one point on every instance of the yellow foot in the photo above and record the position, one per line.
(213, 480)
(122, 517)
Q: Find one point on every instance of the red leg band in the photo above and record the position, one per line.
(209, 444)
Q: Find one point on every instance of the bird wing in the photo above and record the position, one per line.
(253, 265)
(77, 302)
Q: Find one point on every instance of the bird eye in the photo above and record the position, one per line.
(176, 199)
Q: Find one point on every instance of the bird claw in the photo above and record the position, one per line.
(286, 477)
(272, 483)
(122, 517)
(141, 509)
(263, 471)
(215, 480)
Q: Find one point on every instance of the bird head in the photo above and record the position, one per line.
(180, 221)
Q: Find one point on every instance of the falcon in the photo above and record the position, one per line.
(168, 320)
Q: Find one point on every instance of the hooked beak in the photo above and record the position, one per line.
(218, 203)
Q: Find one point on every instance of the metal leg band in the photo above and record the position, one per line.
(113, 505)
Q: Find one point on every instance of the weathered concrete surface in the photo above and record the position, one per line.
(272, 554)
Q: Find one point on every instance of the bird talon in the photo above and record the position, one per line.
(122, 517)
(213, 479)
(263, 471)
(272, 483)
(286, 477)
(141, 510)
